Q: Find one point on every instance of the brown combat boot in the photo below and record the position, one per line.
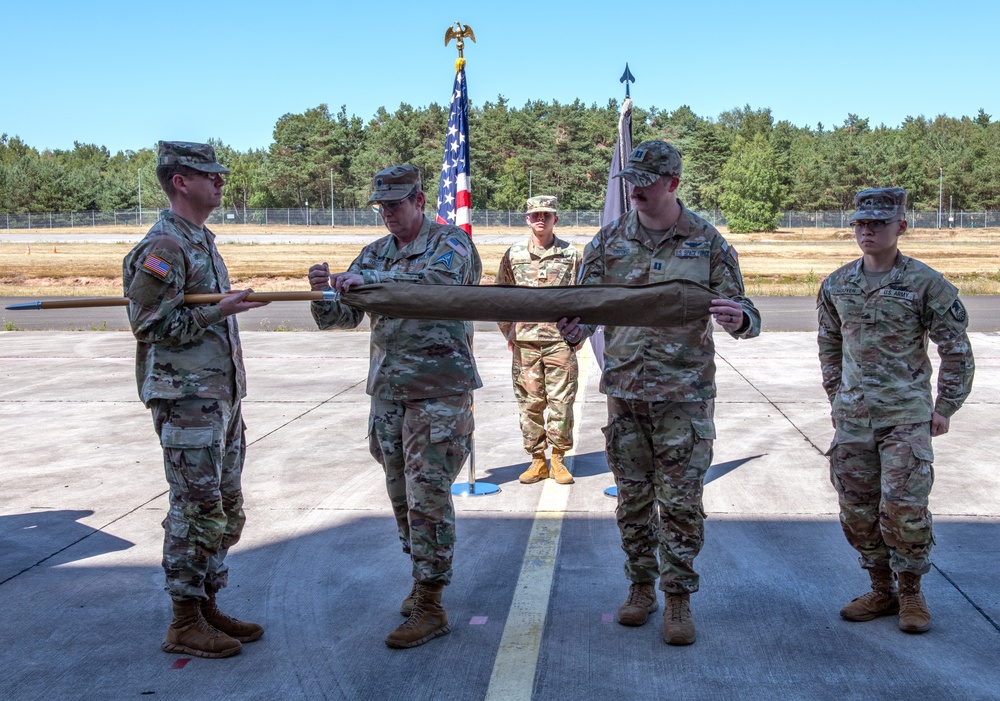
(190, 634)
(559, 470)
(913, 614)
(678, 626)
(240, 630)
(880, 601)
(537, 470)
(640, 603)
(406, 608)
(427, 621)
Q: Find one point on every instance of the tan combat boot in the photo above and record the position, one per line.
(559, 470)
(913, 614)
(678, 626)
(640, 603)
(190, 634)
(537, 470)
(406, 608)
(880, 601)
(427, 621)
(240, 630)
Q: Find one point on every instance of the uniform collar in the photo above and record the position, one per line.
(200, 236)
(637, 232)
(895, 275)
(414, 247)
(557, 247)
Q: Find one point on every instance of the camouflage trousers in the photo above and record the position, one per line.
(422, 444)
(659, 453)
(883, 479)
(203, 453)
(545, 375)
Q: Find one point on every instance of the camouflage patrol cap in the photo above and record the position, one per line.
(542, 203)
(650, 160)
(395, 183)
(880, 203)
(185, 153)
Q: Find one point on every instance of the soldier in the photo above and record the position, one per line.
(544, 365)
(189, 368)
(875, 316)
(421, 377)
(660, 384)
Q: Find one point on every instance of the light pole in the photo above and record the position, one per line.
(333, 222)
(940, 195)
(139, 175)
(307, 212)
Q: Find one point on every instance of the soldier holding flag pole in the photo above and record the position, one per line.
(189, 368)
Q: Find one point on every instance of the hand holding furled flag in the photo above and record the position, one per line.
(454, 196)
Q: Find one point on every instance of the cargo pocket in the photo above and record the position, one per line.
(921, 478)
(181, 445)
(444, 534)
(704, 429)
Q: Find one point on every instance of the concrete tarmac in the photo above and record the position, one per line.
(538, 568)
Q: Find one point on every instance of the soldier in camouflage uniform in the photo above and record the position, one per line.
(421, 377)
(660, 384)
(875, 316)
(189, 369)
(544, 366)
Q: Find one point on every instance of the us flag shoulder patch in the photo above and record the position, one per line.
(455, 245)
(157, 266)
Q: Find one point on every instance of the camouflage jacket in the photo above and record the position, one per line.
(528, 265)
(413, 358)
(664, 364)
(182, 351)
(873, 344)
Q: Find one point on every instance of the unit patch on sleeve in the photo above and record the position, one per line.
(446, 259)
(958, 310)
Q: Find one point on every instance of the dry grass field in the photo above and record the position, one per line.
(787, 262)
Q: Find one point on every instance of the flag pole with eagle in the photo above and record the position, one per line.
(455, 202)
(454, 196)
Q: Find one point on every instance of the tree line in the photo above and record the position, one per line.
(743, 162)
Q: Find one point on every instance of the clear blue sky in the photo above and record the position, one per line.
(126, 74)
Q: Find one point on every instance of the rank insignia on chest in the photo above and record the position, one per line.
(157, 266)
(657, 265)
(446, 259)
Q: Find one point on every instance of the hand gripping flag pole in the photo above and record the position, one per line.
(455, 201)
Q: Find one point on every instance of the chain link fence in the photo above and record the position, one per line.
(364, 218)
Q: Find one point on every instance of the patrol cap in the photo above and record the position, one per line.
(395, 183)
(186, 153)
(880, 203)
(542, 203)
(650, 160)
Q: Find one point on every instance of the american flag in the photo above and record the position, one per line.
(454, 196)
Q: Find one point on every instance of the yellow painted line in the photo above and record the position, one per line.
(513, 674)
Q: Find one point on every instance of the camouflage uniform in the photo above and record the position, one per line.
(660, 384)
(877, 374)
(420, 378)
(544, 366)
(189, 371)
